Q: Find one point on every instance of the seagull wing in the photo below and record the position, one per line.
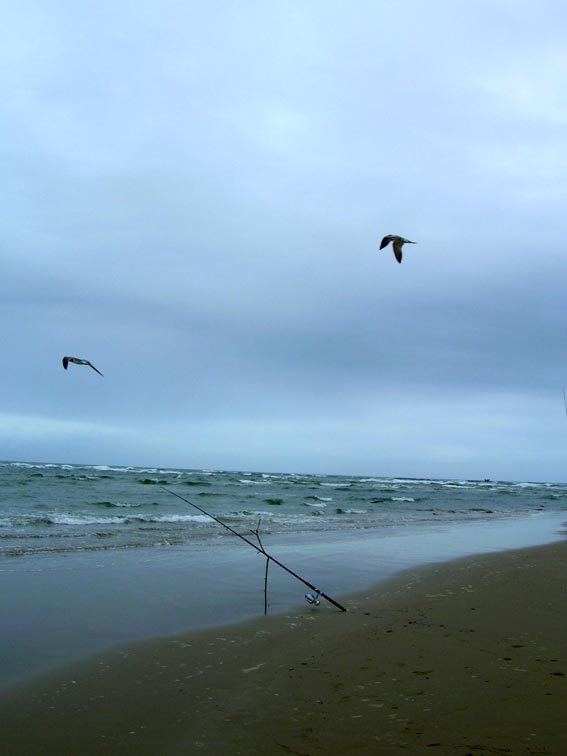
(398, 250)
(93, 367)
(385, 241)
(65, 362)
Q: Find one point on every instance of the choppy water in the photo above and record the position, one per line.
(62, 508)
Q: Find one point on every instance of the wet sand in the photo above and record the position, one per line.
(463, 658)
(59, 609)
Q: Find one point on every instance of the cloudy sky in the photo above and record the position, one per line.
(193, 196)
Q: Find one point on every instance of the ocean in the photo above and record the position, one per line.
(93, 556)
(56, 508)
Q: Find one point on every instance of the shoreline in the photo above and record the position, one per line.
(463, 657)
(61, 609)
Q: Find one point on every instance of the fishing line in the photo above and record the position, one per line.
(318, 592)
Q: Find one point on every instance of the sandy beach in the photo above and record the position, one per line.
(467, 657)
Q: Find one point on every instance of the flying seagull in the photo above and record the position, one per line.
(397, 242)
(77, 361)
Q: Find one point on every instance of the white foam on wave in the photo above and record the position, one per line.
(173, 518)
(530, 485)
(402, 498)
(110, 468)
(66, 519)
(41, 466)
(421, 481)
(155, 470)
(255, 482)
(336, 485)
(255, 513)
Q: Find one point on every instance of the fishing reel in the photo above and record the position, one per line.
(313, 599)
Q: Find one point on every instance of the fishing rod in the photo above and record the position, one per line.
(269, 557)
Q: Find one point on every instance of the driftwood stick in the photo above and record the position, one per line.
(257, 534)
(269, 557)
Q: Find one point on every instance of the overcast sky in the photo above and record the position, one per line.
(193, 196)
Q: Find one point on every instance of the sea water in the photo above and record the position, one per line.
(92, 557)
(56, 508)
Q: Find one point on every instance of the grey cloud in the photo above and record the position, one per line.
(193, 197)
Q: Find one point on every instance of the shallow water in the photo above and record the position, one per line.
(59, 607)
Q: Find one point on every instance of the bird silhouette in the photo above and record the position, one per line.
(77, 361)
(397, 243)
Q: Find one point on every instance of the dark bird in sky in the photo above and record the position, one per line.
(77, 361)
(397, 242)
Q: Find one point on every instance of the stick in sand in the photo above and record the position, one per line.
(261, 545)
(269, 557)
